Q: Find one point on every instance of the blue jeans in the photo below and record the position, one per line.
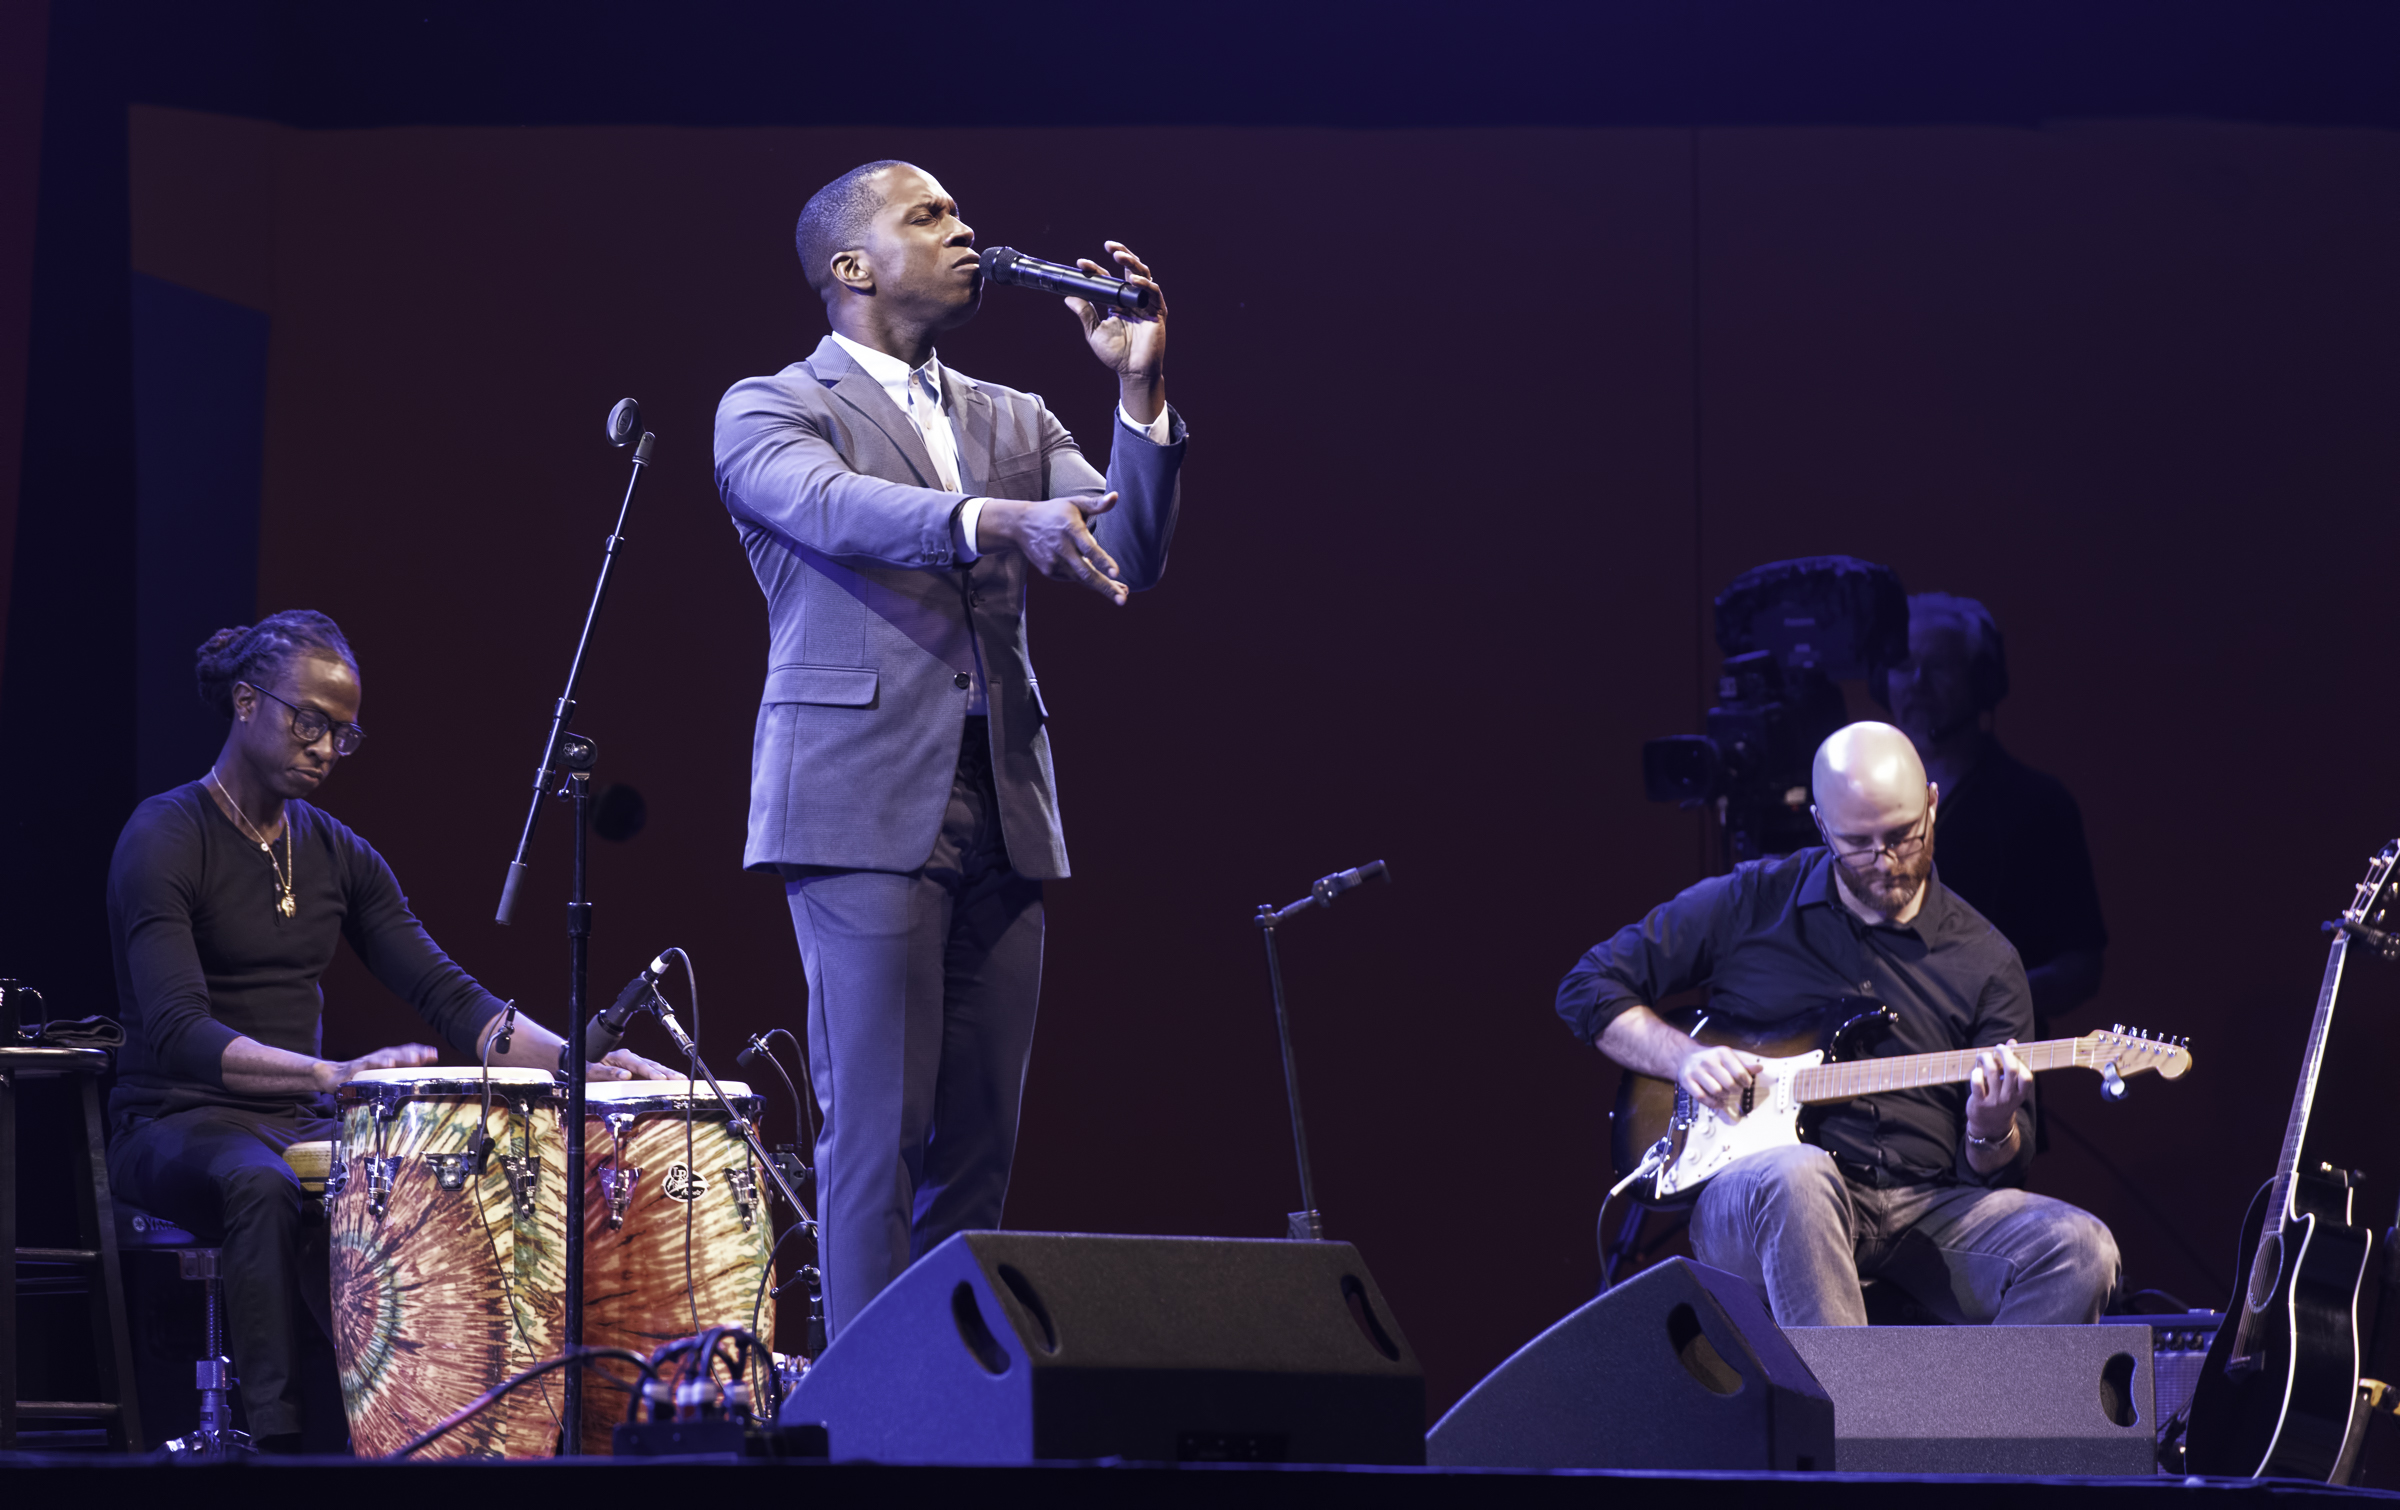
(1792, 1224)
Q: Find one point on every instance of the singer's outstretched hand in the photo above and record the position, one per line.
(1054, 536)
(1132, 346)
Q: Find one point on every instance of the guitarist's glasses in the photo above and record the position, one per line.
(1906, 847)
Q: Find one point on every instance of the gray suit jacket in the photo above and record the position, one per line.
(872, 621)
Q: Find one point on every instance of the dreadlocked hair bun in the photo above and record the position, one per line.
(256, 653)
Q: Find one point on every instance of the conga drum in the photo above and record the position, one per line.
(446, 1281)
(677, 1234)
(312, 1166)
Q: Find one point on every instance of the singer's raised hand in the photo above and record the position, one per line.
(1133, 346)
(1055, 538)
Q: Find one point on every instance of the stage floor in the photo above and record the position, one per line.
(57, 1479)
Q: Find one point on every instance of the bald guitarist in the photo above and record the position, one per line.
(1915, 1185)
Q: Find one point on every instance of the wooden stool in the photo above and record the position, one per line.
(95, 1253)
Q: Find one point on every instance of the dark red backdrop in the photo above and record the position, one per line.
(1480, 420)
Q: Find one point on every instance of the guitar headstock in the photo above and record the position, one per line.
(2132, 1051)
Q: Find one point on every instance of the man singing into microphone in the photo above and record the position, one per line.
(900, 778)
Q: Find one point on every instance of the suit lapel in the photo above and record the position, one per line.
(852, 386)
(975, 425)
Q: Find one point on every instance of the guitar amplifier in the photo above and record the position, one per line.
(2178, 1346)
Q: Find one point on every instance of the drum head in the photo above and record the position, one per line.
(442, 1080)
(666, 1096)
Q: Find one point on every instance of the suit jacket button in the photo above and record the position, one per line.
(961, 681)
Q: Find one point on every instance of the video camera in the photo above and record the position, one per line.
(1789, 631)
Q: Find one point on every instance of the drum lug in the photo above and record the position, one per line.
(449, 1169)
(744, 1184)
(380, 1174)
(337, 1174)
(616, 1185)
(524, 1180)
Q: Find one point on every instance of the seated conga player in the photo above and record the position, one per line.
(226, 899)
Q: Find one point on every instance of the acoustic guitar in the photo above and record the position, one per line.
(1668, 1146)
(2277, 1396)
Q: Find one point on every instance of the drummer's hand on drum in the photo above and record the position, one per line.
(625, 1064)
(335, 1073)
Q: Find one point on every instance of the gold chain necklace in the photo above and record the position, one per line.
(287, 869)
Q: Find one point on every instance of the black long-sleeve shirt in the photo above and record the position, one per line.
(203, 956)
(1772, 940)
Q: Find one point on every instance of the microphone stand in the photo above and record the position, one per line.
(657, 1006)
(578, 755)
(1308, 1223)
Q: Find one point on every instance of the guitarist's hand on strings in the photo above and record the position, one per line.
(1717, 1078)
(1996, 1087)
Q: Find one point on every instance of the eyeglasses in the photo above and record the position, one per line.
(1903, 849)
(309, 726)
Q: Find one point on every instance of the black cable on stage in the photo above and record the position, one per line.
(691, 1112)
(766, 1274)
(582, 1357)
(804, 1108)
(804, 1127)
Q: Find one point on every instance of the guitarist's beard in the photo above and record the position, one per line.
(1888, 892)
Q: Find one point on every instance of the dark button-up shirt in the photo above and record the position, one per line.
(1772, 941)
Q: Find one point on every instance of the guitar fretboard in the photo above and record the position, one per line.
(1867, 1077)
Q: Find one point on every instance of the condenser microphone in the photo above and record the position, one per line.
(1329, 887)
(607, 1027)
(1004, 264)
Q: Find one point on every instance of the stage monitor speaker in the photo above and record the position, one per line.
(1988, 1399)
(1679, 1367)
(1012, 1347)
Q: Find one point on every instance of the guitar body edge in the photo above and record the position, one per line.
(1645, 1106)
(2292, 1417)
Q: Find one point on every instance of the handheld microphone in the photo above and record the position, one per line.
(607, 1027)
(1340, 881)
(1004, 264)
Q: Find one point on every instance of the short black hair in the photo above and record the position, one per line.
(835, 220)
(257, 653)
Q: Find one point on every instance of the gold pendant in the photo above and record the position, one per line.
(287, 906)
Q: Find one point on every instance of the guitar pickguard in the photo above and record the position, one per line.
(1703, 1142)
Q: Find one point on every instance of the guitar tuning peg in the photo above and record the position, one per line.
(2119, 1028)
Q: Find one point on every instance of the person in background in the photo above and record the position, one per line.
(2011, 837)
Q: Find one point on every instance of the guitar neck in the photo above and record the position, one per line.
(1868, 1077)
(2295, 1131)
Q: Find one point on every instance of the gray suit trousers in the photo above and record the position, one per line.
(922, 987)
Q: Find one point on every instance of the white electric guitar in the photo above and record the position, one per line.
(1668, 1146)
